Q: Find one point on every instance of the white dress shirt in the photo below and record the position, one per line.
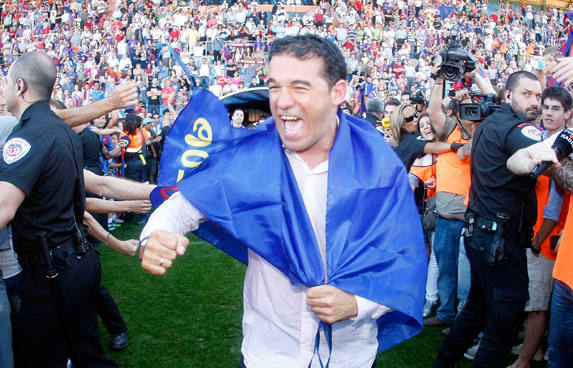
(279, 328)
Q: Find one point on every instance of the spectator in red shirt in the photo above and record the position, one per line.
(167, 94)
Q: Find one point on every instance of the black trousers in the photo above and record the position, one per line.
(45, 334)
(109, 312)
(495, 304)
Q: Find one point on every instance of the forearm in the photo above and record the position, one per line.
(116, 188)
(116, 151)
(99, 233)
(122, 96)
(82, 114)
(437, 116)
(483, 84)
(546, 228)
(97, 205)
(106, 131)
(520, 162)
(540, 74)
(437, 147)
(10, 199)
(563, 174)
(95, 229)
(465, 151)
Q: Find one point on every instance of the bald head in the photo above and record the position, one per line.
(37, 72)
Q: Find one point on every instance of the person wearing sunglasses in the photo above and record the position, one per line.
(409, 143)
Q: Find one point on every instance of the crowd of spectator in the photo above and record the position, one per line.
(168, 48)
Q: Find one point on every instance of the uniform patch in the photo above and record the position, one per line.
(532, 132)
(15, 149)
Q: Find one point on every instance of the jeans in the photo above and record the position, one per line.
(495, 304)
(6, 358)
(447, 250)
(561, 326)
(433, 271)
(135, 170)
(464, 276)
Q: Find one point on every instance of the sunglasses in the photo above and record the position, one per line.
(408, 119)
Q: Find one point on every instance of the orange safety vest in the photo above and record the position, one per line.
(136, 141)
(425, 168)
(453, 175)
(563, 269)
(542, 189)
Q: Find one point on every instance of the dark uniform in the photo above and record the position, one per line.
(106, 306)
(53, 318)
(501, 213)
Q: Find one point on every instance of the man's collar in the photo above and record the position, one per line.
(32, 109)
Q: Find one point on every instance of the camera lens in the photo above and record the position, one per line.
(450, 72)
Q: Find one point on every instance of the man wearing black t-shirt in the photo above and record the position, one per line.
(154, 96)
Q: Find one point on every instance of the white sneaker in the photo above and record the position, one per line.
(471, 352)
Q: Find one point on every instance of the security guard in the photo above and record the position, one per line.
(499, 220)
(42, 194)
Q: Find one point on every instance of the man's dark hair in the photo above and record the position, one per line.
(375, 105)
(452, 105)
(310, 46)
(406, 93)
(38, 71)
(132, 122)
(393, 101)
(560, 94)
(57, 104)
(514, 78)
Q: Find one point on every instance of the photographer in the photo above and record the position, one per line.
(452, 185)
(501, 213)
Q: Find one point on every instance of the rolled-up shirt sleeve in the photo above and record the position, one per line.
(175, 215)
(368, 308)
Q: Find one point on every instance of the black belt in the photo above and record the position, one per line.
(32, 261)
(485, 224)
(132, 156)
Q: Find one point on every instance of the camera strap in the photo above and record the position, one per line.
(463, 129)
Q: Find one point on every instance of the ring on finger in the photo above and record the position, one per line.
(161, 261)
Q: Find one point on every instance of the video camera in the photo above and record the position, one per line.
(455, 60)
(418, 98)
(480, 108)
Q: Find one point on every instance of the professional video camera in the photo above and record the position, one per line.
(480, 108)
(418, 98)
(455, 60)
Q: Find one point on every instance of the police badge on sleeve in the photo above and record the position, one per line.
(531, 132)
(15, 149)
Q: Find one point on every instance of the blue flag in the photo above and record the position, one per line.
(244, 184)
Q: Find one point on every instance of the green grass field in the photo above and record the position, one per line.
(191, 317)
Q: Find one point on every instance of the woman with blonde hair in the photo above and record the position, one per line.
(409, 144)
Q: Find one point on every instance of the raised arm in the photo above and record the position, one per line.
(123, 96)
